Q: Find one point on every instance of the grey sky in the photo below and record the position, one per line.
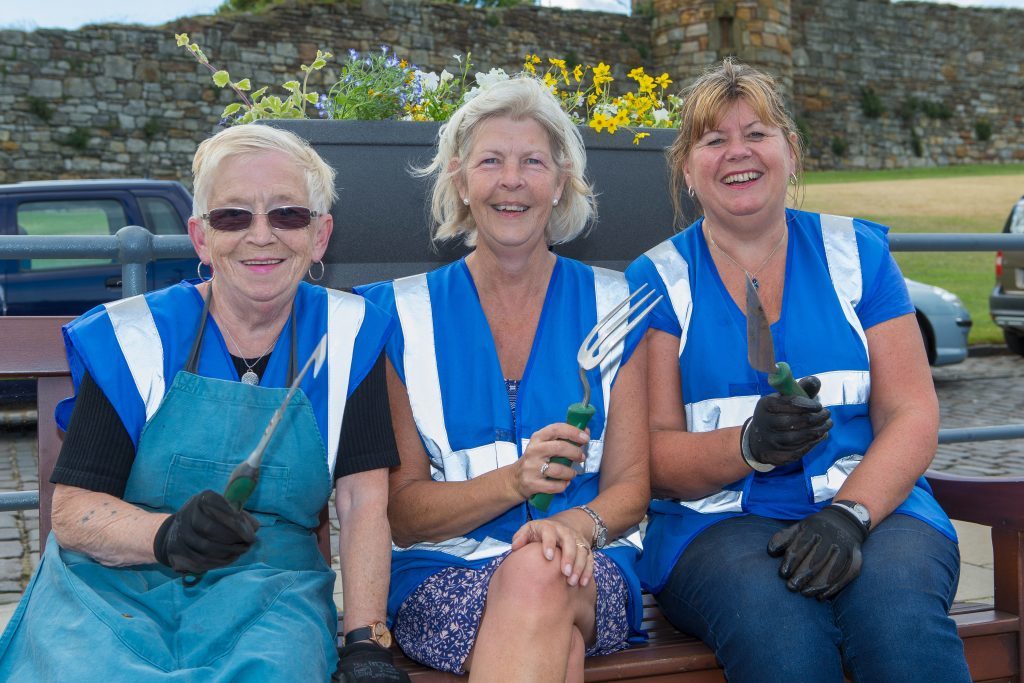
(29, 14)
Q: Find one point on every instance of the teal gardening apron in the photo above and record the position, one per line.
(269, 616)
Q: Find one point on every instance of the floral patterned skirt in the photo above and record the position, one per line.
(437, 624)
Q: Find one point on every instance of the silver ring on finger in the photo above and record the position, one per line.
(584, 546)
(544, 468)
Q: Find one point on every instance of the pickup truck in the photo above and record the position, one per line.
(50, 286)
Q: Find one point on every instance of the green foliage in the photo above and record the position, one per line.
(916, 145)
(78, 138)
(493, 19)
(260, 105)
(939, 111)
(246, 5)
(152, 128)
(839, 146)
(983, 129)
(40, 107)
(936, 110)
(871, 103)
(804, 131)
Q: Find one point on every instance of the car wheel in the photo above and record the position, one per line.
(928, 336)
(1014, 341)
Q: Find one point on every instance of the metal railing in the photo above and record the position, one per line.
(134, 247)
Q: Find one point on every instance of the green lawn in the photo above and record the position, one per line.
(941, 200)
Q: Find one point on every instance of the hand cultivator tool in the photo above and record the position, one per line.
(605, 336)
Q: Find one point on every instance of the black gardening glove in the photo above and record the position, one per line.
(368, 662)
(205, 533)
(784, 428)
(822, 552)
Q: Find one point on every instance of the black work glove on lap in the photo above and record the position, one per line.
(204, 534)
(821, 552)
(784, 428)
(367, 662)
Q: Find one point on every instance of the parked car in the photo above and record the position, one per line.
(1006, 303)
(945, 322)
(48, 286)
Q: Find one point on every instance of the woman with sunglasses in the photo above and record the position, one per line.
(150, 573)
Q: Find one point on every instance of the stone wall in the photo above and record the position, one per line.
(113, 100)
(908, 84)
(873, 84)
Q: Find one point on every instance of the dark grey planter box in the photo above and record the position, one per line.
(382, 218)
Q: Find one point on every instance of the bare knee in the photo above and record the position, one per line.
(532, 580)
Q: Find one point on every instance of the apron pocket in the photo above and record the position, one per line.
(188, 476)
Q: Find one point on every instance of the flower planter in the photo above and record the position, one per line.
(381, 218)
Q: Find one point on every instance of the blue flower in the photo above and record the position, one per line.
(391, 61)
(353, 55)
(383, 49)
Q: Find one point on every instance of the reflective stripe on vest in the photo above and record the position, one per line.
(423, 385)
(345, 313)
(140, 344)
(676, 275)
(141, 347)
(838, 387)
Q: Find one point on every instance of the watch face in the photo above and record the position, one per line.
(381, 634)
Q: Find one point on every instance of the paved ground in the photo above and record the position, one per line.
(987, 389)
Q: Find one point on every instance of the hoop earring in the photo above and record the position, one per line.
(319, 277)
(689, 191)
(199, 272)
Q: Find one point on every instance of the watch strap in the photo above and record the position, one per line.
(360, 634)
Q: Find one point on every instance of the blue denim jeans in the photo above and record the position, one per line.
(889, 624)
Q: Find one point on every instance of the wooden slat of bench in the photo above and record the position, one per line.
(33, 346)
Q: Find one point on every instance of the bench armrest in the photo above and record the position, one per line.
(991, 501)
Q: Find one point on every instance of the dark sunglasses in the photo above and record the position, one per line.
(281, 218)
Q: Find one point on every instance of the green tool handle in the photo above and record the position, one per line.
(241, 484)
(579, 416)
(782, 379)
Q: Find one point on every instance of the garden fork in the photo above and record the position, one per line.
(605, 336)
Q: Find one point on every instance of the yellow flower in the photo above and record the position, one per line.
(598, 122)
(402, 64)
(663, 81)
(577, 73)
(601, 76)
(640, 136)
(645, 84)
(560, 63)
(550, 81)
(591, 100)
(636, 73)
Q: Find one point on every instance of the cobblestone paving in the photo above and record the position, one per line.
(981, 391)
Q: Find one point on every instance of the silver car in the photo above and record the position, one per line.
(944, 322)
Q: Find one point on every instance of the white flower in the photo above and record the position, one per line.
(429, 81)
(470, 94)
(490, 78)
(445, 76)
(660, 115)
(607, 108)
(457, 58)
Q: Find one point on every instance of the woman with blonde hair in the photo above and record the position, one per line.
(794, 534)
(483, 368)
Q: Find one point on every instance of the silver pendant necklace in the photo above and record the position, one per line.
(249, 377)
(752, 274)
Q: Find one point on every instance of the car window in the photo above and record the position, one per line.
(160, 216)
(69, 217)
(1017, 218)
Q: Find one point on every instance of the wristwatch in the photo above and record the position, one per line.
(377, 632)
(858, 510)
(600, 530)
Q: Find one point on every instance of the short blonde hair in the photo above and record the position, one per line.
(704, 104)
(519, 98)
(259, 139)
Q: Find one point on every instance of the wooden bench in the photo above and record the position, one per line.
(33, 347)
